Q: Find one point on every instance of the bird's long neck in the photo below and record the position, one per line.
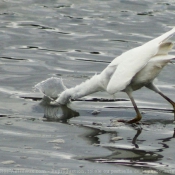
(86, 88)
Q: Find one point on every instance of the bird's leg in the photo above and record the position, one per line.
(138, 116)
(155, 89)
(169, 100)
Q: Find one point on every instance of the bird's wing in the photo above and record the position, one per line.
(132, 61)
(161, 58)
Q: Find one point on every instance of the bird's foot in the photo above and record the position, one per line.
(174, 111)
(173, 104)
(134, 120)
(122, 120)
(128, 121)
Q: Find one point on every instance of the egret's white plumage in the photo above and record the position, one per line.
(128, 72)
(131, 62)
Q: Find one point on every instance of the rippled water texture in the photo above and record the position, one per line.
(74, 40)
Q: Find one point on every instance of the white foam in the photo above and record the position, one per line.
(51, 87)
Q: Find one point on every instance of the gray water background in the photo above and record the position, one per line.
(75, 40)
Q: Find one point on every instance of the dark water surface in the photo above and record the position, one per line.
(74, 40)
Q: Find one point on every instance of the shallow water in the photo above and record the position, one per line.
(75, 40)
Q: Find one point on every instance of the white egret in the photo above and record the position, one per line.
(128, 72)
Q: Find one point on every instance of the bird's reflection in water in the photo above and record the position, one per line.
(57, 113)
(130, 156)
(134, 140)
(167, 139)
(127, 155)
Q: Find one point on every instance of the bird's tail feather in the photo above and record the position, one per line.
(163, 38)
